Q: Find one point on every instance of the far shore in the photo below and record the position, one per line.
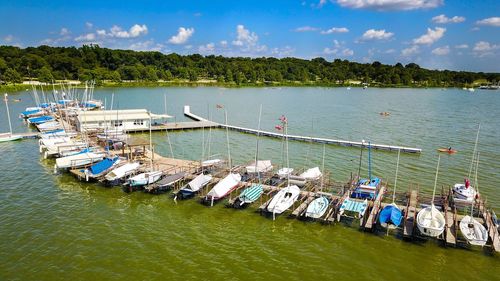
(16, 87)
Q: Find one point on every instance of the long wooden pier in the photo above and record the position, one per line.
(188, 113)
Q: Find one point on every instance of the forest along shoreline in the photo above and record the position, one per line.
(127, 68)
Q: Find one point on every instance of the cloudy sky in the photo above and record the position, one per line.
(437, 34)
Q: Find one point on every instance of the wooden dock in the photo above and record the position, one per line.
(189, 125)
(410, 215)
(450, 217)
(372, 218)
(302, 207)
(188, 113)
(492, 230)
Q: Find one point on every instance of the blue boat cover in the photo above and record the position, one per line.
(29, 112)
(89, 105)
(52, 132)
(41, 119)
(103, 165)
(391, 214)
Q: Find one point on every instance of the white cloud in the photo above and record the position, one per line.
(183, 34)
(441, 51)
(431, 36)
(305, 29)
(135, 31)
(207, 49)
(89, 25)
(188, 47)
(101, 32)
(410, 51)
(389, 51)
(86, 37)
(223, 43)
(245, 37)
(494, 21)
(335, 30)
(9, 38)
(462, 46)
(247, 41)
(64, 31)
(338, 49)
(444, 19)
(387, 5)
(483, 48)
(283, 52)
(373, 34)
(148, 45)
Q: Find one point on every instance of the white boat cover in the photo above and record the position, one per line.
(311, 174)
(78, 160)
(122, 171)
(223, 187)
(145, 178)
(262, 166)
(430, 221)
(284, 199)
(284, 172)
(200, 181)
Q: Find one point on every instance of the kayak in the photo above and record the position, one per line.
(449, 151)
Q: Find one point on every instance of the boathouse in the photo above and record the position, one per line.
(125, 119)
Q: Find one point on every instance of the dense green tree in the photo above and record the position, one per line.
(11, 75)
(45, 75)
(93, 62)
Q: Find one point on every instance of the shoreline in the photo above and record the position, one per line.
(26, 87)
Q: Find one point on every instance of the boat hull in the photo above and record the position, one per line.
(430, 222)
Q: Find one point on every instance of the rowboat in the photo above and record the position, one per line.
(390, 216)
(430, 221)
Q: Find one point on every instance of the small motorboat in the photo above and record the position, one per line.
(317, 208)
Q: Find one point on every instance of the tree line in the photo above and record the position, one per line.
(91, 62)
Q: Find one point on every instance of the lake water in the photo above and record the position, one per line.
(54, 227)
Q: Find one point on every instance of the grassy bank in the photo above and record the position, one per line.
(185, 83)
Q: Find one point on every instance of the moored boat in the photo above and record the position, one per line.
(317, 208)
(118, 174)
(223, 187)
(473, 231)
(194, 185)
(249, 195)
(283, 200)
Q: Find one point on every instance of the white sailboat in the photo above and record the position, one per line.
(430, 221)
(474, 231)
(283, 200)
(77, 160)
(122, 171)
(8, 136)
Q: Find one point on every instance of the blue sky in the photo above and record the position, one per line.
(437, 34)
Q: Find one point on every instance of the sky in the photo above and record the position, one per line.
(436, 34)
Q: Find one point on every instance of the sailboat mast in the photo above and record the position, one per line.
(257, 146)
(477, 187)
(150, 143)
(166, 131)
(227, 139)
(474, 152)
(369, 161)
(396, 178)
(435, 180)
(6, 99)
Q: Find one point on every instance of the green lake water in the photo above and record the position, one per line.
(54, 227)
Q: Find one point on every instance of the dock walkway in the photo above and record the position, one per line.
(188, 113)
